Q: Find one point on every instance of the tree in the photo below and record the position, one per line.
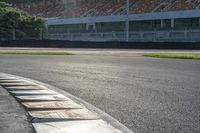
(24, 25)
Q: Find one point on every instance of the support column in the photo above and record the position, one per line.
(95, 28)
(161, 23)
(172, 23)
(127, 21)
(199, 22)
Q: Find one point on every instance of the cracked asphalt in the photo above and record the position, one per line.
(148, 95)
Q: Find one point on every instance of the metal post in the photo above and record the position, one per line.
(13, 34)
(186, 35)
(41, 34)
(127, 20)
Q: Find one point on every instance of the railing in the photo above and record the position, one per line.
(191, 35)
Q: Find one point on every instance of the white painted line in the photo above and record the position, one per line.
(85, 126)
(69, 114)
(42, 98)
(55, 105)
(34, 92)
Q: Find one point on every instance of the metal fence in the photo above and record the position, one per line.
(186, 35)
(171, 35)
(15, 34)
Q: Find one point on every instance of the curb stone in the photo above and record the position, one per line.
(57, 119)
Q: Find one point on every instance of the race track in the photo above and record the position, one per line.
(146, 94)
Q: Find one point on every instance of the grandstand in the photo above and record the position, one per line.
(104, 20)
(92, 8)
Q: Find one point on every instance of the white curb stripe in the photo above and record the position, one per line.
(20, 88)
(54, 105)
(42, 98)
(12, 81)
(68, 114)
(34, 92)
(8, 78)
(87, 126)
(18, 84)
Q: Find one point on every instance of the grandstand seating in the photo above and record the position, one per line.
(82, 8)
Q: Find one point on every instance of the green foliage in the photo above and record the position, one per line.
(18, 1)
(177, 56)
(33, 52)
(24, 25)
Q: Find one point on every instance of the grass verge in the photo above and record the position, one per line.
(176, 56)
(34, 52)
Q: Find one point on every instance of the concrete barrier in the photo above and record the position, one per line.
(116, 45)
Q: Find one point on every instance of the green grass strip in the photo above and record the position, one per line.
(176, 56)
(34, 52)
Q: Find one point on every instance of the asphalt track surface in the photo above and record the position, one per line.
(148, 95)
(13, 119)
